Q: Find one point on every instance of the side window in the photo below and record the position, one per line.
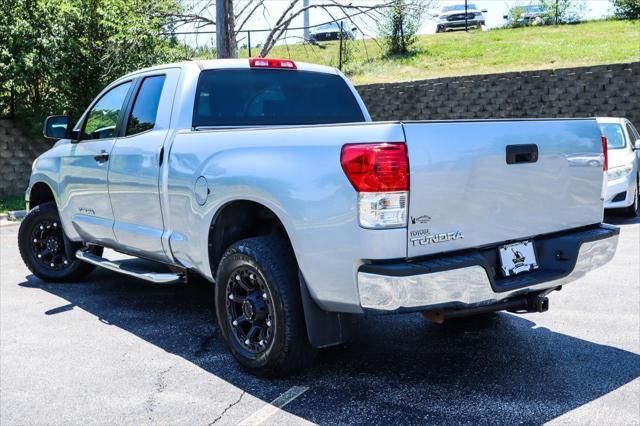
(633, 133)
(145, 108)
(102, 119)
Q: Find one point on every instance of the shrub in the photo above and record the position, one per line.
(401, 21)
(627, 9)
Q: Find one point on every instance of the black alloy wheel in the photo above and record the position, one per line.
(250, 312)
(45, 250)
(47, 245)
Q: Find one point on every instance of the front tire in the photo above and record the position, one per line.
(632, 210)
(43, 247)
(259, 307)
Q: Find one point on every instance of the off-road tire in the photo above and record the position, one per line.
(46, 214)
(288, 350)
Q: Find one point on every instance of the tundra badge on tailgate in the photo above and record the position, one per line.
(423, 237)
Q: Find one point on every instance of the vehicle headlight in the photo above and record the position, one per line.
(619, 172)
(34, 164)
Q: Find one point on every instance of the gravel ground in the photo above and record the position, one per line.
(115, 350)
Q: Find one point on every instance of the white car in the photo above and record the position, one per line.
(623, 143)
(459, 16)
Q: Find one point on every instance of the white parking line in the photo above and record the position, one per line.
(276, 405)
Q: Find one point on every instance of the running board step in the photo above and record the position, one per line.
(154, 277)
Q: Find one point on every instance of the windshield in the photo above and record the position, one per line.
(614, 134)
(532, 9)
(330, 26)
(262, 97)
(458, 7)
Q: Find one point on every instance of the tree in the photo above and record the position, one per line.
(56, 55)
(563, 11)
(627, 9)
(230, 18)
(225, 29)
(199, 15)
(400, 24)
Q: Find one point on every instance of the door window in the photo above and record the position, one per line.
(633, 133)
(145, 109)
(103, 117)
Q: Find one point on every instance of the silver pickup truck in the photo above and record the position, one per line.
(268, 178)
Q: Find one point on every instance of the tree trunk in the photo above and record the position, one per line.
(225, 30)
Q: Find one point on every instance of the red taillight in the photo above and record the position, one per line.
(376, 167)
(605, 151)
(272, 63)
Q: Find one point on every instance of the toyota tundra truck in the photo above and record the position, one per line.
(268, 178)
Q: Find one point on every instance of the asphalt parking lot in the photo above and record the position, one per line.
(114, 350)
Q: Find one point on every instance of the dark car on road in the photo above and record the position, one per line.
(330, 31)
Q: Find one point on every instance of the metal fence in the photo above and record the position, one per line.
(192, 40)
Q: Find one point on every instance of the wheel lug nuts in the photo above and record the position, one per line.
(251, 276)
(35, 240)
(39, 256)
(261, 342)
(234, 323)
(41, 227)
(268, 323)
(52, 265)
(264, 296)
(66, 262)
(246, 342)
(231, 297)
(55, 224)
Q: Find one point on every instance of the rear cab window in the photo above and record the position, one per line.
(266, 97)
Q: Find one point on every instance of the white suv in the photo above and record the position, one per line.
(623, 143)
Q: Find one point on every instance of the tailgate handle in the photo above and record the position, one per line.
(517, 154)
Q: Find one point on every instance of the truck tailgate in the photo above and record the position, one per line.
(464, 193)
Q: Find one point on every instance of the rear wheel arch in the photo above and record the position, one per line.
(238, 220)
(242, 219)
(40, 193)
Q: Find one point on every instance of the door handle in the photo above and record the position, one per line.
(102, 157)
(517, 154)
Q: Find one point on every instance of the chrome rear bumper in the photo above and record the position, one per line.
(471, 286)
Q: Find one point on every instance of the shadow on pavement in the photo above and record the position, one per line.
(617, 219)
(400, 369)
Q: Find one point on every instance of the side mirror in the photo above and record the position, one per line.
(637, 145)
(57, 127)
(435, 15)
(505, 16)
(484, 11)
